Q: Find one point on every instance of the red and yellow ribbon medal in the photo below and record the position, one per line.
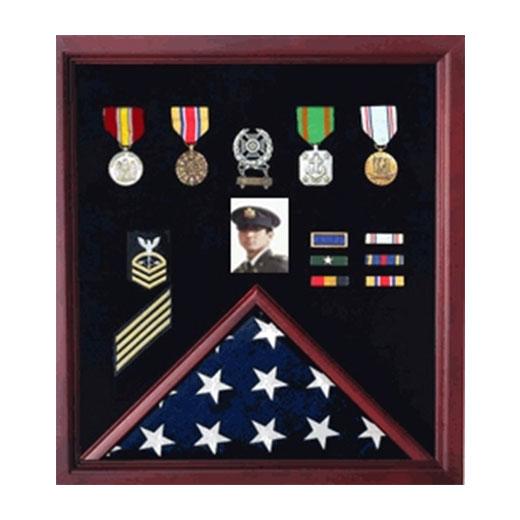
(380, 123)
(315, 124)
(126, 125)
(190, 123)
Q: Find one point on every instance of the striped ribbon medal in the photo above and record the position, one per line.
(190, 123)
(314, 125)
(126, 125)
(380, 123)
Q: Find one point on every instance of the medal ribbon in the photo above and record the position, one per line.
(315, 123)
(380, 123)
(126, 124)
(190, 123)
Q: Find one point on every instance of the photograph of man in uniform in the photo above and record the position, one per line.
(256, 229)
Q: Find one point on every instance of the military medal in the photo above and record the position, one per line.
(380, 123)
(191, 123)
(314, 125)
(252, 150)
(126, 124)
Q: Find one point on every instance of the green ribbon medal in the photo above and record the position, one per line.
(314, 125)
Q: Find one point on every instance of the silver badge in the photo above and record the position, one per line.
(316, 167)
(253, 149)
(125, 168)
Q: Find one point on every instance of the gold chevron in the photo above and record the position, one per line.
(149, 277)
(161, 262)
(149, 285)
(137, 330)
(137, 320)
(142, 330)
(131, 355)
(143, 335)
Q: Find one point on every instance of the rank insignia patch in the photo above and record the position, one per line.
(384, 281)
(329, 281)
(147, 258)
(142, 330)
(329, 239)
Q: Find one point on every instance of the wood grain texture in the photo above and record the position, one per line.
(447, 52)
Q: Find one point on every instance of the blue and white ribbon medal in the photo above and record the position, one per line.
(380, 123)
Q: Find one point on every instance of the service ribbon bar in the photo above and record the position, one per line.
(384, 281)
(190, 123)
(380, 123)
(315, 123)
(384, 260)
(332, 260)
(126, 124)
(329, 281)
(329, 239)
(384, 239)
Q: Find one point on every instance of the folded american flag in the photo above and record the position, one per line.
(256, 396)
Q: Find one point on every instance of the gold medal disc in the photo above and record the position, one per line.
(191, 168)
(381, 168)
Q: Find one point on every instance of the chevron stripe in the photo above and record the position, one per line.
(143, 335)
(148, 274)
(148, 285)
(142, 330)
(148, 277)
(131, 356)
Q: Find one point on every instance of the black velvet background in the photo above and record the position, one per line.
(384, 338)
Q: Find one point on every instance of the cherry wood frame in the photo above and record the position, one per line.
(447, 53)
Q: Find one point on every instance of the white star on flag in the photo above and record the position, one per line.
(320, 431)
(114, 450)
(173, 392)
(267, 382)
(228, 338)
(268, 331)
(266, 434)
(321, 381)
(372, 432)
(155, 440)
(212, 385)
(211, 437)
(327, 260)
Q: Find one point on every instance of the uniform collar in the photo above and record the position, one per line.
(255, 259)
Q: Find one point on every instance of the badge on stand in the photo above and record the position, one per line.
(191, 123)
(314, 125)
(252, 150)
(126, 124)
(380, 123)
